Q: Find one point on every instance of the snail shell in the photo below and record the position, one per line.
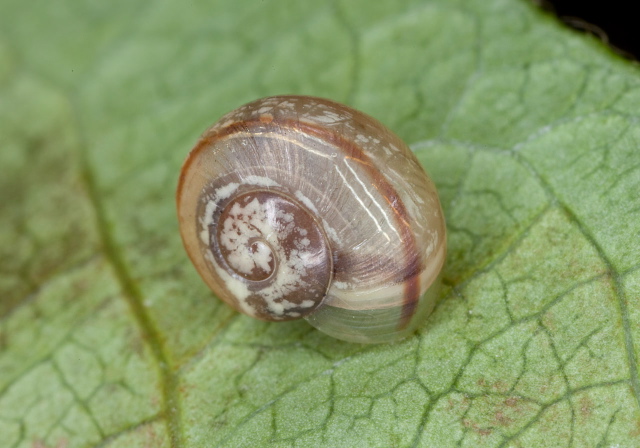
(299, 207)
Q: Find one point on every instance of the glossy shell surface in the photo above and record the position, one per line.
(299, 207)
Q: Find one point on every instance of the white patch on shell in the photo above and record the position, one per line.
(250, 220)
(331, 232)
(328, 117)
(235, 286)
(306, 201)
(340, 285)
(211, 206)
(224, 192)
(243, 224)
(227, 122)
(429, 249)
(260, 181)
(287, 105)
(204, 236)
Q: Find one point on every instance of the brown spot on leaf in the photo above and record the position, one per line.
(39, 443)
(502, 419)
(586, 406)
(500, 386)
(511, 401)
(457, 403)
(635, 432)
(475, 427)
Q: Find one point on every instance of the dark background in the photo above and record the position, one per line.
(617, 21)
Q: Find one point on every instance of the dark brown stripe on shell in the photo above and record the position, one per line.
(411, 277)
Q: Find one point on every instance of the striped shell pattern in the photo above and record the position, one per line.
(299, 207)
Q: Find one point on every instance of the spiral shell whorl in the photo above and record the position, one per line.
(357, 187)
(269, 250)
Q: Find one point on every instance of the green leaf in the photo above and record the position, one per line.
(109, 338)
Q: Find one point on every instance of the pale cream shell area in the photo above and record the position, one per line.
(377, 208)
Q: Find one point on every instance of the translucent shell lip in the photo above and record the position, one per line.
(378, 231)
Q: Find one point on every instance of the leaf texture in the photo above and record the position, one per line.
(109, 338)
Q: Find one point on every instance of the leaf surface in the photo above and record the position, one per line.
(109, 338)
